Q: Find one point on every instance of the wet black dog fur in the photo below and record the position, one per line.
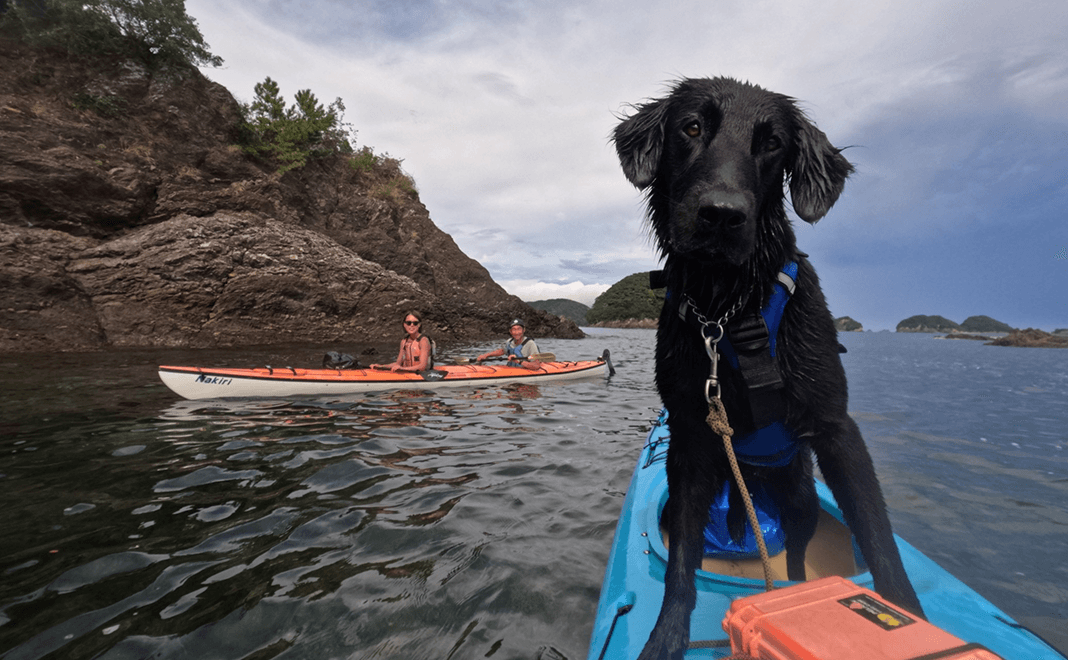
(714, 157)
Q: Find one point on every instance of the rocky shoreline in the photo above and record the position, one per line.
(954, 334)
(1031, 338)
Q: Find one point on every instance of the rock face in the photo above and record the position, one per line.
(128, 217)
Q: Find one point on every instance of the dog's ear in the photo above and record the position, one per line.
(639, 142)
(818, 172)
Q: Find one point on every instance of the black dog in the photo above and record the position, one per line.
(714, 156)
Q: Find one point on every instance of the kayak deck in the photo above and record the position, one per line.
(633, 587)
(205, 383)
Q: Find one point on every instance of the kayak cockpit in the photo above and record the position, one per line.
(830, 552)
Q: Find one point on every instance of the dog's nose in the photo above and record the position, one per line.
(723, 209)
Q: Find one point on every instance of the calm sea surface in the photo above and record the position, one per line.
(461, 524)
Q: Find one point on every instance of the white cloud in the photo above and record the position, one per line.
(532, 290)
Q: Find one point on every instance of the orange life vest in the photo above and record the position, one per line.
(411, 351)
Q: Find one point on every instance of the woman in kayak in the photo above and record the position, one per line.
(518, 349)
(415, 350)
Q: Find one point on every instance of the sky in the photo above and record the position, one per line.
(954, 112)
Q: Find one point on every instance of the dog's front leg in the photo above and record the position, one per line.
(799, 508)
(690, 492)
(850, 474)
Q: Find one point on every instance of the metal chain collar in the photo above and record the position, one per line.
(712, 387)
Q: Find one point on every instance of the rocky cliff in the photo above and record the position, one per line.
(128, 217)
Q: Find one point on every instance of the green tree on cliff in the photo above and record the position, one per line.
(153, 31)
(290, 136)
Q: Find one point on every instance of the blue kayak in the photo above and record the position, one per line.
(633, 587)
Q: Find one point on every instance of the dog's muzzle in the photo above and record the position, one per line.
(716, 223)
(723, 211)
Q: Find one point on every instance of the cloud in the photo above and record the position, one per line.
(534, 290)
(502, 112)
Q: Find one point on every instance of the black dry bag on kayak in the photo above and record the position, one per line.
(335, 360)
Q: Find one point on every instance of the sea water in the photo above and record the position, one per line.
(467, 523)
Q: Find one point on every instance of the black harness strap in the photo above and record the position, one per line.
(750, 338)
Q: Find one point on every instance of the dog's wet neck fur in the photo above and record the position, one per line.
(716, 287)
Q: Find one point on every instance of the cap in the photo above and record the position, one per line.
(518, 322)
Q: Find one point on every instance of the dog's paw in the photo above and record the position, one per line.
(908, 600)
(666, 643)
(659, 651)
(901, 593)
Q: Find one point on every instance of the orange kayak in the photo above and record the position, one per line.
(209, 383)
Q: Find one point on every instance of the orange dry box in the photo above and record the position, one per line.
(835, 619)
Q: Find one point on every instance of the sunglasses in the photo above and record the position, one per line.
(412, 322)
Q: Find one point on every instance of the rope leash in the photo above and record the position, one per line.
(717, 421)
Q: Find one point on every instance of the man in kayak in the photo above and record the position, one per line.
(415, 349)
(518, 349)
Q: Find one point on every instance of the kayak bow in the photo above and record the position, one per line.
(633, 587)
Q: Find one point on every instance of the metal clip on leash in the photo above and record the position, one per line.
(711, 344)
(717, 415)
(712, 332)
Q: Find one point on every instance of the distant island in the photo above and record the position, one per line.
(984, 324)
(973, 328)
(630, 302)
(846, 324)
(922, 323)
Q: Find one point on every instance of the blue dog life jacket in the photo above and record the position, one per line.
(773, 445)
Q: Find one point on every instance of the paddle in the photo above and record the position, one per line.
(543, 357)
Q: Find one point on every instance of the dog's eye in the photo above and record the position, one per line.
(773, 143)
(693, 129)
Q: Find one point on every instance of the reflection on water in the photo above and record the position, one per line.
(468, 524)
(464, 524)
(971, 444)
